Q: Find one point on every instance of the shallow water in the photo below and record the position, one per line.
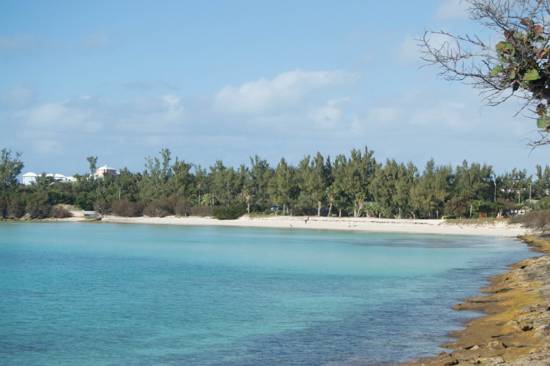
(105, 294)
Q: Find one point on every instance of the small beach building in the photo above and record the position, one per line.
(29, 178)
(105, 171)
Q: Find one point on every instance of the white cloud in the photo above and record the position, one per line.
(285, 90)
(329, 114)
(447, 114)
(77, 115)
(452, 9)
(53, 126)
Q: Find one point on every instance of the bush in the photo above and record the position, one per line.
(102, 206)
(127, 208)
(159, 208)
(537, 220)
(229, 212)
(200, 211)
(38, 206)
(3, 208)
(14, 207)
(60, 212)
(543, 204)
(85, 200)
(181, 208)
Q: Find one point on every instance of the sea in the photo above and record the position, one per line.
(121, 294)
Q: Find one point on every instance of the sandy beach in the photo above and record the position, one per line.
(501, 229)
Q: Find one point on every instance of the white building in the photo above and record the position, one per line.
(104, 171)
(28, 178)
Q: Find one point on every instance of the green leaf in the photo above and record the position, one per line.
(531, 75)
(497, 70)
(503, 47)
(543, 122)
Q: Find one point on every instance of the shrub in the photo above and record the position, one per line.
(60, 212)
(127, 208)
(543, 204)
(229, 212)
(15, 208)
(181, 208)
(200, 211)
(102, 206)
(159, 208)
(38, 206)
(3, 208)
(537, 220)
(85, 200)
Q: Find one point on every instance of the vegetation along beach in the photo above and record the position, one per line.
(241, 183)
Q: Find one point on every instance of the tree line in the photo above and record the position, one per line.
(353, 184)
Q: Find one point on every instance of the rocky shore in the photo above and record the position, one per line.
(516, 327)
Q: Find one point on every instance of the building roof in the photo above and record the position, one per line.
(30, 174)
(105, 167)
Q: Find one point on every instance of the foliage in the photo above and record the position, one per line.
(38, 206)
(353, 184)
(229, 211)
(538, 220)
(127, 208)
(159, 207)
(10, 167)
(59, 212)
(518, 65)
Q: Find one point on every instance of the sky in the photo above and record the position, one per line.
(230, 79)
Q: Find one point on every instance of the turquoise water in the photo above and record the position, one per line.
(102, 294)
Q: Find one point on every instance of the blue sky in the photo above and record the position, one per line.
(229, 79)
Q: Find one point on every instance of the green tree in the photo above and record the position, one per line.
(10, 167)
(361, 169)
(260, 174)
(339, 193)
(429, 194)
(92, 165)
(282, 185)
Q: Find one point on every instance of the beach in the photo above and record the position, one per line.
(499, 229)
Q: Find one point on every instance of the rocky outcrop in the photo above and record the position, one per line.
(516, 327)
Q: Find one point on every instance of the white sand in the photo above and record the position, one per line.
(501, 229)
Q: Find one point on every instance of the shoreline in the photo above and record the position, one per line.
(514, 328)
(361, 224)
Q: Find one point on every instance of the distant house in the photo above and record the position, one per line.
(63, 178)
(28, 178)
(105, 171)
